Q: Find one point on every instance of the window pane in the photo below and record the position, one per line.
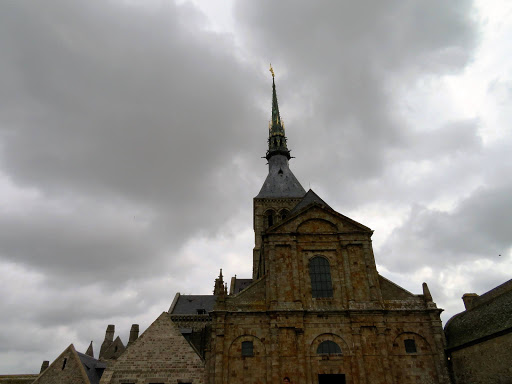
(247, 348)
(320, 274)
(328, 347)
(410, 346)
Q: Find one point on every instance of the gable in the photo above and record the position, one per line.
(67, 368)
(162, 353)
(392, 291)
(317, 226)
(114, 350)
(318, 219)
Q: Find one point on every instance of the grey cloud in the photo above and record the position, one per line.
(479, 228)
(147, 131)
(338, 60)
(123, 102)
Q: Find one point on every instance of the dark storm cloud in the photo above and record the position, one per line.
(128, 124)
(133, 109)
(129, 102)
(342, 60)
(141, 132)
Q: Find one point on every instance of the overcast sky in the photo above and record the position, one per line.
(131, 137)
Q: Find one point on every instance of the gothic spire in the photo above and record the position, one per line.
(276, 137)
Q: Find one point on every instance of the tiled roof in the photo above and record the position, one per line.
(189, 304)
(490, 314)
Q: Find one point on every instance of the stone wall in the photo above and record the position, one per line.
(17, 379)
(286, 324)
(66, 369)
(488, 362)
(160, 355)
(285, 344)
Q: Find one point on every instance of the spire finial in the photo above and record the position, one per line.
(219, 285)
(271, 70)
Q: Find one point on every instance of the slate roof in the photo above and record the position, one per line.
(491, 314)
(93, 368)
(309, 198)
(189, 304)
(241, 284)
(280, 181)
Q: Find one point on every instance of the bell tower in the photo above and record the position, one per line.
(281, 190)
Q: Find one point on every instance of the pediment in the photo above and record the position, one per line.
(318, 219)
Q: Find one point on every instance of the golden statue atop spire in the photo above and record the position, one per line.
(271, 70)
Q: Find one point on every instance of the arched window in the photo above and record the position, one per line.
(320, 273)
(284, 214)
(328, 347)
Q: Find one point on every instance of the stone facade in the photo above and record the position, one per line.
(480, 338)
(316, 309)
(66, 369)
(17, 379)
(279, 315)
(160, 355)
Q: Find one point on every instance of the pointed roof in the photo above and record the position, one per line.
(93, 368)
(161, 351)
(280, 181)
(68, 366)
(114, 350)
(90, 351)
(276, 136)
(309, 198)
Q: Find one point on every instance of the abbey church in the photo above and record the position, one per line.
(315, 311)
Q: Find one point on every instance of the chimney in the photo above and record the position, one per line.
(45, 365)
(109, 339)
(109, 334)
(468, 299)
(134, 333)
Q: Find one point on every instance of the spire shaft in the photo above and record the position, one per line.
(276, 139)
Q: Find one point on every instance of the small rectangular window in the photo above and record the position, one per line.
(410, 346)
(247, 348)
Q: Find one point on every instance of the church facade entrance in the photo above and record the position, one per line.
(331, 379)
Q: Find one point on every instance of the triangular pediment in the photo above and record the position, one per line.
(161, 351)
(318, 218)
(66, 367)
